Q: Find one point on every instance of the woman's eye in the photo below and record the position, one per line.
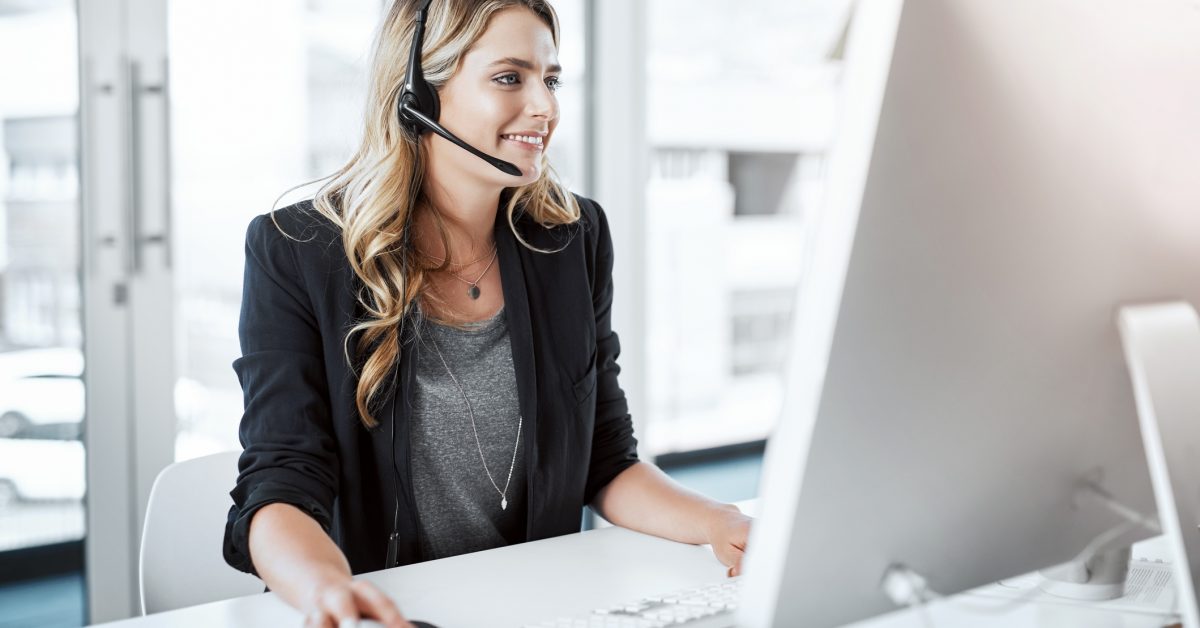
(553, 82)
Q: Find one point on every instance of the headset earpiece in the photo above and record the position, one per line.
(423, 98)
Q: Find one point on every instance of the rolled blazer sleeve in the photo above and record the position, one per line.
(614, 447)
(289, 448)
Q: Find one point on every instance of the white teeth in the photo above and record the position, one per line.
(525, 138)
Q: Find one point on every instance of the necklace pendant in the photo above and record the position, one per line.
(473, 291)
(504, 503)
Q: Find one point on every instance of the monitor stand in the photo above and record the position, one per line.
(1100, 578)
(1162, 352)
(1099, 572)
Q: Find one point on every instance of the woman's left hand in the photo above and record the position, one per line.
(727, 530)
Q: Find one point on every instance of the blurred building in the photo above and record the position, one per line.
(742, 109)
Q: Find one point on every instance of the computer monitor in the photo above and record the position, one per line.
(1007, 176)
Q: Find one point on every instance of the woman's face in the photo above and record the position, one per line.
(503, 89)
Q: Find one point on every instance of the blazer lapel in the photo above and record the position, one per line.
(520, 333)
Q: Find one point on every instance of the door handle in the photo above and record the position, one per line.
(136, 217)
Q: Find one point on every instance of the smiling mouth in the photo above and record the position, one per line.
(527, 141)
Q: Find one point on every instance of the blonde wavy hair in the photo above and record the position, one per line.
(373, 198)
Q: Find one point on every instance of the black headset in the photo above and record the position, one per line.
(418, 107)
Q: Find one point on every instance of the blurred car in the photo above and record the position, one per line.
(40, 470)
(41, 393)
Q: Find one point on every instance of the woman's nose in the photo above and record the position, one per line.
(542, 103)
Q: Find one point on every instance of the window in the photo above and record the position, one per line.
(741, 111)
(41, 395)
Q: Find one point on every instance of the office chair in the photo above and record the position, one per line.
(181, 562)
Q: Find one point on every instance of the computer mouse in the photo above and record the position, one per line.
(371, 623)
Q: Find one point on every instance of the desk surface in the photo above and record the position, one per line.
(532, 582)
(507, 586)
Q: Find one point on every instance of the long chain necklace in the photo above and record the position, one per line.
(471, 413)
(473, 291)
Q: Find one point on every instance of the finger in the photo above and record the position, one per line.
(318, 619)
(741, 534)
(734, 564)
(732, 557)
(339, 603)
(378, 605)
(728, 560)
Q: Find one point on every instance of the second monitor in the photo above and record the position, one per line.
(1026, 169)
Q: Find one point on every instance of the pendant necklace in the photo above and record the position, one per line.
(471, 412)
(473, 290)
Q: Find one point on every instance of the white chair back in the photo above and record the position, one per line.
(181, 563)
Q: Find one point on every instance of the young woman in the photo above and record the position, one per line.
(428, 363)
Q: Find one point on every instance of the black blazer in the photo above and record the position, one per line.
(302, 438)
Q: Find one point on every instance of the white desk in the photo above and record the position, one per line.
(508, 586)
(531, 582)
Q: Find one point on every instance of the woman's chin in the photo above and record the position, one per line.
(530, 173)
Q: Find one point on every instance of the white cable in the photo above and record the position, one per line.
(906, 587)
(1094, 547)
(1095, 491)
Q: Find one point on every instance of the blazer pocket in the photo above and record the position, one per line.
(585, 386)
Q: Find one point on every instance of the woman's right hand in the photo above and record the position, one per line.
(300, 562)
(341, 603)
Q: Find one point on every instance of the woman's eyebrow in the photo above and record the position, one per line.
(521, 63)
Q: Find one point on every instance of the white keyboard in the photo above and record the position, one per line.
(710, 606)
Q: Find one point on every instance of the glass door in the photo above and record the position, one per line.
(126, 238)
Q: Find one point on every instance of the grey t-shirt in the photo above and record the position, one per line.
(459, 509)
